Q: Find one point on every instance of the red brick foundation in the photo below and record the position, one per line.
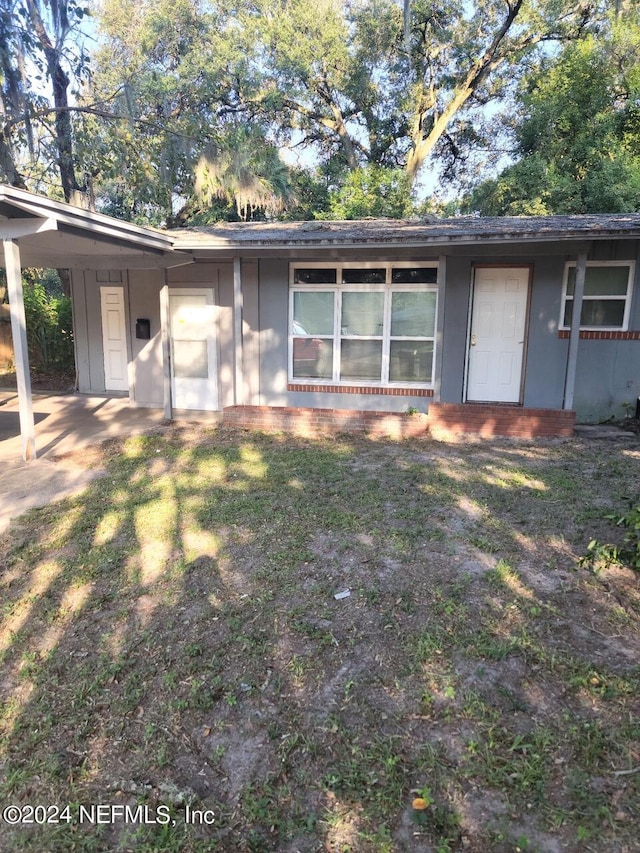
(447, 420)
(444, 421)
(309, 423)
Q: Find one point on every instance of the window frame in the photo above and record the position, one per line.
(611, 297)
(388, 288)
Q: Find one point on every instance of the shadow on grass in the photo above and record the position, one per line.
(171, 642)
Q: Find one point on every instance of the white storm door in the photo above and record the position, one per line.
(114, 339)
(194, 379)
(497, 341)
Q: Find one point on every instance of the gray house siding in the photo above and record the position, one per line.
(608, 374)
(85, 296)
(145, 369)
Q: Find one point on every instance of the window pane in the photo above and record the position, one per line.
(362, 314)
(364, 276)
(312, 358)
(315, 276)
(190, 359)
(601, 281)
(313, 313)
(361, 360)
(411, 361)
(413, 314)
(414, 275)
(608, 313)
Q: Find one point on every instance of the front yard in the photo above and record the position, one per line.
(171, 642)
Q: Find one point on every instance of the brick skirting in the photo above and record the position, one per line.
(593, 335)
(451, 419)
(362, 389)
(309, 423)
(444, 421)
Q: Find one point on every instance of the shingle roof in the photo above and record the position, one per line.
(464, 229)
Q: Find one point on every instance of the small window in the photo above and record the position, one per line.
(317, 275)
(364, 276)
(414, 275)
(607, 295)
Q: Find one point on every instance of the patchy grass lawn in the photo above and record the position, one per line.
(171, 642)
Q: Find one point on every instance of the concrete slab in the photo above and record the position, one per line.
(68, 422)
(39, 483)
(64, 423)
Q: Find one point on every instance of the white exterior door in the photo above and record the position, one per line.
(114, 339)
(497, 342)
(194, 378)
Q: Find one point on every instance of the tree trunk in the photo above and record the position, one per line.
(8, 168)
(73, 192)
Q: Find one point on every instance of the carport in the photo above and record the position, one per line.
(39, 232)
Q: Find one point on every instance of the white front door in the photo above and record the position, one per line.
(498, 327)
(194, 378)
(114, 339)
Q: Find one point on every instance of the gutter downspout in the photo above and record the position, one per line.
(574, 338)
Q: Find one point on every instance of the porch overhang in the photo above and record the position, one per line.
(41, 232)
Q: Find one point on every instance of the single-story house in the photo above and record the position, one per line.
(503, 321)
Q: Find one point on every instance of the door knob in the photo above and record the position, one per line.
(473, 340)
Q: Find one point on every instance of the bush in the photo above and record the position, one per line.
(627, 553)
(49, 328)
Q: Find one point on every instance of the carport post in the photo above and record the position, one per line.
(166, 349)
(20, 349)
(437, 368)
(574, 337)
(238, 307)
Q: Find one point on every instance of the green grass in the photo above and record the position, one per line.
(172, 636)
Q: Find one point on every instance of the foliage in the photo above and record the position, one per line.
(372, 191)
(354, 82)
(247, 172)
(40, 42)
(174, 83)
(49, 326)
(627, 553)
(578, 133)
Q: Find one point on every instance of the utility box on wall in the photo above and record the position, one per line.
(143, 329)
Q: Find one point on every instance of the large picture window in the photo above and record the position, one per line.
(607, 295)
(363, 324)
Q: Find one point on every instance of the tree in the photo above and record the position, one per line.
(38, 40)
(372, 191)
(246, 172)
(352, 81)
(168, 72)
(578, 136)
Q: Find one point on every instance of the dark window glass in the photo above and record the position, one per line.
(364, 276)
(315, 276)
(608, 313)
(411, 361)
(361, 360)
(414, 275)
(312, 358)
